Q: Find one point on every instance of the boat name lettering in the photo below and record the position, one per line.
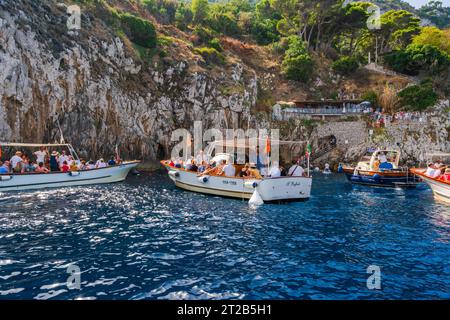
(229, 182)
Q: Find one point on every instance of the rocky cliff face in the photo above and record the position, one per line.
(98, 92)
(101, 94)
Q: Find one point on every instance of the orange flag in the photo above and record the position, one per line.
(267, 145)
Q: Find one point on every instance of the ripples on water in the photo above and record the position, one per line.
(145, 239)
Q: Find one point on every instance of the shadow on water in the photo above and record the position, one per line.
(146, 239)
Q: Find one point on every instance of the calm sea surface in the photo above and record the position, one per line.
(145, 239)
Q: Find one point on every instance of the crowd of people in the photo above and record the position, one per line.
(227, 169)
(45, 162)
(438, 171)
(381, 119)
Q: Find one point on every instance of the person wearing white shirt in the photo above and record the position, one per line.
(275, 171)
(382, 158)
(101, 164)
(430, 170)
(40, 155)
(63, 157)
(229, 170)
(296, 170)
(15, 161)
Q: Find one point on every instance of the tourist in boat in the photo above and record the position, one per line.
(83, 165)
(101, 164)
(296, 170)
(16, 162)
(244, 173)
(229, 170)
(27, 165)
(178, 164)
(90, 165)
(202, 167)
(112, 162)
(253, 172)
(4, 167)
(446, 175)
(63, 157)
(215, 170)
(275, 171)
(54, 165)
(65, 167)
(41, 155)
(191, 166)
(283, 170)
(73, 166)
(41, 168)
(430, 170)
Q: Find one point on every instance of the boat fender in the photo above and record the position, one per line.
(5, 178)
(376, 177)
(251, 184)
(203, 179)
(256, 199)
(74, 173)
(174, 174)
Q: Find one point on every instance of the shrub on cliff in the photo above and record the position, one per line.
(297, 64)
(215, 43)
(418, 58)
(140, 31)
(418, 97)
(202, 35)
(345, 65)
(210, 55)
(372, 97)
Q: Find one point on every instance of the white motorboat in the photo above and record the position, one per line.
(28, 181)
(280, 189)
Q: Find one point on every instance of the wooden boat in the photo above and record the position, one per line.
(280, 189)
(382, 173)
(441, 189)
(28, 181)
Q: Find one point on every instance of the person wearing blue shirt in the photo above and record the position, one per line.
(4, 167)
(112, 162)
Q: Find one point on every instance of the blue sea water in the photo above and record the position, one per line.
(145, 239)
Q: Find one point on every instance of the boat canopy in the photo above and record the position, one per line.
(33, 145)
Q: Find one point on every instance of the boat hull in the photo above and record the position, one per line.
(441, 189)
(31, 181)
(271, 190)
(382, 179)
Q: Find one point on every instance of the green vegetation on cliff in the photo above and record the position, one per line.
(309, 39)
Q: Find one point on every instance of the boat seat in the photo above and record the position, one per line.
(386, 165)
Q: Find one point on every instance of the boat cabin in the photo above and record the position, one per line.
(380, 159)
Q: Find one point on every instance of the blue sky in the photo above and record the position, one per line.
(419, 3)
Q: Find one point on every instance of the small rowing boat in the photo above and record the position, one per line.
(381, 168)
(57, 179)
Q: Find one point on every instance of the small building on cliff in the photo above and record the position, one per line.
(320, 109)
